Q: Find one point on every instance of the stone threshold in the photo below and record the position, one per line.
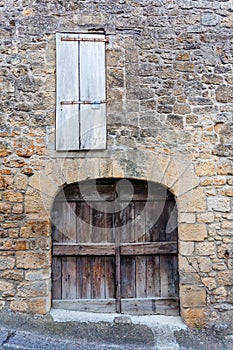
(152, 321)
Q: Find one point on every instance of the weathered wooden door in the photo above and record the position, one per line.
(115, 248)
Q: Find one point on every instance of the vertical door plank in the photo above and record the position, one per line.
(92, 88)
(126, 222)
(84, 227)
(110, 277)
(83, 277)
(139, 221)
(69, 274)
(97, 277)
(153, 276)
(152, 213)
(98, 222)
(57, 279)
(65, 223)
(169, 276)
(141, 277)
(128, 277)
(67, 89)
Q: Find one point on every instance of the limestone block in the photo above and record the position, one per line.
(209, 282)
(70, 170)
(20, 182)
(37, 202)
(7, 261)
(32, 260)
(15, 275)
(207, 217)
(189, 218)
(205, 248)
(7, 289)
(205, 264)
(194, 317)
(206, 168)
(219, 203)
(35, 228)
(89, 168)
(10, 244)
(189, 278)
(192, 296)
(19, 305)
(186, 248)
(33, 289)
(118, 169)
(12, 196)
(192, 232)
(225, 167)
(41, 182)
(37, 275)
(105, 168)
(39, 306)
(192, 201)
(224, 94)
(188, 264)
(225, 278)
(228, 21)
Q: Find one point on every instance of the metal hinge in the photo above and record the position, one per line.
(105, 40)
(94, 102)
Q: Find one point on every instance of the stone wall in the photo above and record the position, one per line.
(170, 86)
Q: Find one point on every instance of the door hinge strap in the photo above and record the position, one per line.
(105, 40)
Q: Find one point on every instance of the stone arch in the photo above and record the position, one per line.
(175, 173)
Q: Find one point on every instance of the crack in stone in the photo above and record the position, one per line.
(10, 335)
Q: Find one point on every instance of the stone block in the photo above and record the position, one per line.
(225, 278)
(205, 264)
(209, 282)
(43, 184)
(38, 275)
(205, 168)
(35, 228)
(13, 196)
(32, 260)
(192, 232)
(10, 244)
(15, 275)
(33, 289)
(207, 217)
(205, 248)
(219, 203)
(19, 306)
(189, 218)
(7, 261)
(192, 202)
(7, 289)
(194, 317)
(224, 94)
(186, 248)
(192, 296)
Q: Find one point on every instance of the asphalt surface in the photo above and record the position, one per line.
(24, 332)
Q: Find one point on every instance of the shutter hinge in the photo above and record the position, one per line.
(105, 40)
(94, 102)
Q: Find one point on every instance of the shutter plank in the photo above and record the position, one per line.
(67, 89)
(92, 88)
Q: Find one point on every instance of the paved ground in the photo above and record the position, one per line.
(24, 332)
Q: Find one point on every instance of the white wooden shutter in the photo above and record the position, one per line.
(81, 92)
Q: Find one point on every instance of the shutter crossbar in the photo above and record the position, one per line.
(83, 102)
(105, 40)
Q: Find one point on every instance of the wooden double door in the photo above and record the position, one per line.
(115, 248)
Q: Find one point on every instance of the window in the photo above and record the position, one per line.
(81, 92)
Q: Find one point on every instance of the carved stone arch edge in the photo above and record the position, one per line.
(175, 173)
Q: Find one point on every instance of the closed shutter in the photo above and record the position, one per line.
(81, 92)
